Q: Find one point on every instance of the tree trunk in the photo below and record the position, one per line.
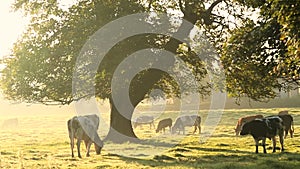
(121, 129)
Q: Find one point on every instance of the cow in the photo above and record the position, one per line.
(288, 123)
(268, 127)
(187, 120)
(141, 120)
(84, 128)
(284, 112)
(162, 124)
(241, 121)
(10, 123)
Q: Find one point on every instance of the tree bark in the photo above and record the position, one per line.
(121, 129)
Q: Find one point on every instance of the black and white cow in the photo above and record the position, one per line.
(187, 120)
(268, 127)
(84, 128)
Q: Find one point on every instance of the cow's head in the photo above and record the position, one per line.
(173, 129)
(245, 129)
(239, 128)
(98, 147)
(237, 131)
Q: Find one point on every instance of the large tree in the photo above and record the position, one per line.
(43, 60)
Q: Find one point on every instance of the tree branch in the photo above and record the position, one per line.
(181, 6)
(214, 4)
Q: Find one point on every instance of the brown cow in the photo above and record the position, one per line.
(84, 128)
(288, 123)
(162, 124)
(284, 112)
(241, 121)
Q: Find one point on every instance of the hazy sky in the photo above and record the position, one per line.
(12, 25)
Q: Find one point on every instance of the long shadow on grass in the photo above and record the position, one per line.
(223, 150)
(154, 142)
(212, 157)
(223, 160)
(157, 161)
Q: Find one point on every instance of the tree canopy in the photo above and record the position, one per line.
(262, 55)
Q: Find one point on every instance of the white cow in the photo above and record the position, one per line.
(188, 120)
(141, 120)
(84, 128)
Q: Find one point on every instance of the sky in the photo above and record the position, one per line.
(12, 26)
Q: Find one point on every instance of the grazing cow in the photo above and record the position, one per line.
(188, 120)
(288, 123)
(144, 120)
(10, 123)
(162, 124)
(260, 129)
(85, 128)
(244, 120)
(284, 112)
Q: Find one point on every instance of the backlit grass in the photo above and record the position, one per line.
(42, 142)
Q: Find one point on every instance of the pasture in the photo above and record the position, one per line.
(41, 141)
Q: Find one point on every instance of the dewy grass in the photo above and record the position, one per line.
(32, 146)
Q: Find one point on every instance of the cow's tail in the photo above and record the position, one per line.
(70, 128)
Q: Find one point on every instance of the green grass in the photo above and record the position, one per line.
(42, 142)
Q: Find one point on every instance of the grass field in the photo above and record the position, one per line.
(41, 141)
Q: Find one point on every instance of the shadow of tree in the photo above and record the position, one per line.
(226, 158)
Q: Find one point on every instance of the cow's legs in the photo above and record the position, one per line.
(291, 133)
(78, 147)
(199, 128)
(274, 144)
(86, 143)
(282, 143)
(256, 145)
(195, 130)
(286, 132)
(72, 146)
(88, 146)
(264, 145)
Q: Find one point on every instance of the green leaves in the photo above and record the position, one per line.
(256, 56)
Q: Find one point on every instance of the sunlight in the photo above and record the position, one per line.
(12, 26)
